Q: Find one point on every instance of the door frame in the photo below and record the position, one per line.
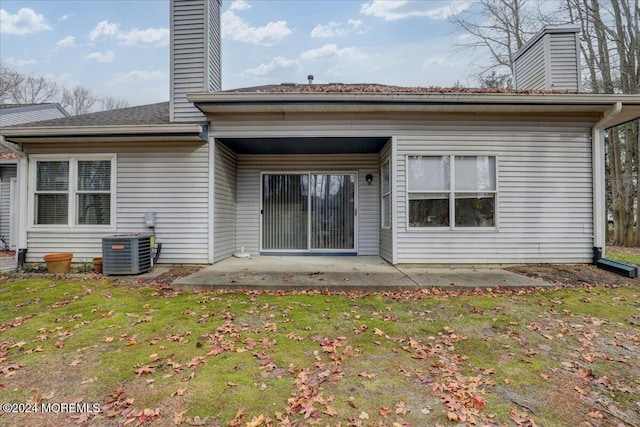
(309, 250)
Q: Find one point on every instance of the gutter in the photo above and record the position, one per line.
(23, 169)
(598, 166)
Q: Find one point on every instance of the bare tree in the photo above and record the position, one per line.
(34, 90)
(111, 103)
(78, 100)
(9, 82)
(497, 28)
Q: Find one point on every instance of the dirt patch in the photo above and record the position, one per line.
(579, 274)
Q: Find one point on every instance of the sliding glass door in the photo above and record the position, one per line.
(308, 212)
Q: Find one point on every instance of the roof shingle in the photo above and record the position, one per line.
(151, 114)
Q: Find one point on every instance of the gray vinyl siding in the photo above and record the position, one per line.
(224, 203)
(549, 61)
(386, 236)
(544, 212)
(248, 193)
(564, 62)
(171, 180)
(195, 60)
(530, 69)
(6, 173)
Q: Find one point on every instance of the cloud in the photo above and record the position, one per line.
(69, 41)
(151, 37)
(17, 62)
(239, 5)
(26, 21)
(335, 29)
(391, 10)
(237, 29)
(331, 50)
(106, 57)
(138, 76)
(63, 18)
(263, 69)
(104, 30)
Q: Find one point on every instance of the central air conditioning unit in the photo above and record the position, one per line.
(126, 253)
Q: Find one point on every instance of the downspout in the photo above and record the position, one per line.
(598, 167)
(23, 168)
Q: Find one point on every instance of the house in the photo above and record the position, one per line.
(13, 114)
(414, 175)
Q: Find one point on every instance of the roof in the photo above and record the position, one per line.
(148, 123)
(375, 98)
(11, 106)
(16, 114)
(140, 115)
(374, 88)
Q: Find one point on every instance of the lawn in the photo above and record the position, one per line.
(100, 353)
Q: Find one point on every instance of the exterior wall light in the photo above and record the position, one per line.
(369, 178)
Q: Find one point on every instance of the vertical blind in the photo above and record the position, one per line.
(288, 224)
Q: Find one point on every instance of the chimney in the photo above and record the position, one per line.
(195, 55)
(550, 60)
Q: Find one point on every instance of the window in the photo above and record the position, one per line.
(385, 173)
(73, 192)
(452, 191)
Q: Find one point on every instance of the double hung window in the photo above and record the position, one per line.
(73, 192)
(452, 191)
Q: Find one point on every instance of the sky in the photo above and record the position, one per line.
(120, 48)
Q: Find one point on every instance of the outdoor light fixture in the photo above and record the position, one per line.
(369, 178)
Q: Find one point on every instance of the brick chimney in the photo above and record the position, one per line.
(195, 60)
(550, 60)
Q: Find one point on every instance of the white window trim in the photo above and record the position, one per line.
(72, 192)
(451, 194)
(387, 194)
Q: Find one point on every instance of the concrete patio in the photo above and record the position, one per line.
(368, 273)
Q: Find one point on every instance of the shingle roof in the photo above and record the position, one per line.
(151, 114)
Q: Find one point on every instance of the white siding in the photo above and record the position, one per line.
(248, 193)
(171, 180)
(544, 211)
(6, 173)
(564, 62)
(224, 203)
(386, 237)
(195, 54)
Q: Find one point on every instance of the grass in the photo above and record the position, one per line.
(147, 355)
(631, 258)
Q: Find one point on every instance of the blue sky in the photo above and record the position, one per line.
(120, 48)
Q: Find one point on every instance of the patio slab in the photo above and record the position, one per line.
(342, 273)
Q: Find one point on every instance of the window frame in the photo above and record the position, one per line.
(452, 192)
(384, 194)
(72, 191)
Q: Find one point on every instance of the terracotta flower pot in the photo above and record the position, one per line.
(97, 264)
(58, 263)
